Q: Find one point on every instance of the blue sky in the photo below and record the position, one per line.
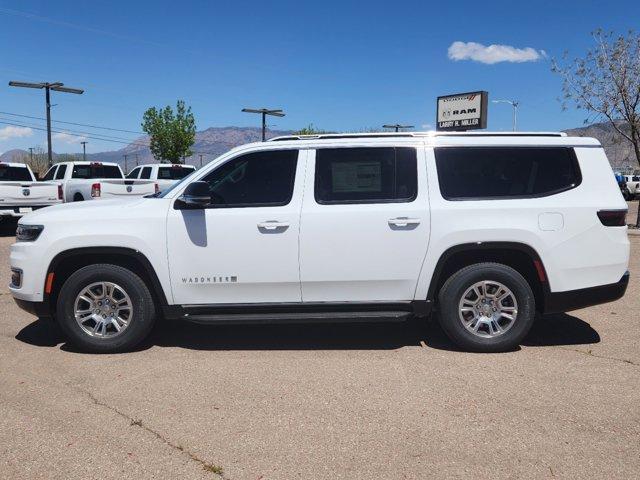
(339, 65)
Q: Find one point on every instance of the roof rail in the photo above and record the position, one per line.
(326, 136)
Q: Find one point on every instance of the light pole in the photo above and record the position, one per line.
(31, 156)
(84, 151)
(514, 104)
(397, 126)
(200, 160)
(264, 111)
(125, 163)
(56, 87)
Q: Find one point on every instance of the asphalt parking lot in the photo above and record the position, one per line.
(324, 402)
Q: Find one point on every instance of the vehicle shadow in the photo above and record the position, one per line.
(561, 329)
(8, 227)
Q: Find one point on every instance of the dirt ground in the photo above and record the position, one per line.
(324, 402)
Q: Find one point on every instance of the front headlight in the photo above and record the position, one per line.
(28, 233)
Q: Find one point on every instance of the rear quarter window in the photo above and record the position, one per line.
(467, 173)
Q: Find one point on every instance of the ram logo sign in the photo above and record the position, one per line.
(462, 111)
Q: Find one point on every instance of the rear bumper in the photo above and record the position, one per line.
(14, 210)
(557, 302)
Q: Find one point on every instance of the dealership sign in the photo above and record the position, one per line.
(463, 111)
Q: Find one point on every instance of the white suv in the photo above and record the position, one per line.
(486, 229)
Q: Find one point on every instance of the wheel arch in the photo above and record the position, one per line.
(519, 256)
(67, 262)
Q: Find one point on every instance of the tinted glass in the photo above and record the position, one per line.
(96, 171)
(62, 169)
(50, 173)
(505, 172)
(14, 174)
(134, 173)
(146, 173)
(173, 173)
(255, 179)
(366, 175)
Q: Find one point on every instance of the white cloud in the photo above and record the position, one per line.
(68, 138)
(493, 53)
(14, 132)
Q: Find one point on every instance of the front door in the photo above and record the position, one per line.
(244, 248)
(365, 224)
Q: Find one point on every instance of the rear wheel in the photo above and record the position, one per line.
(105, 308)
(486, 307)
(78, 197)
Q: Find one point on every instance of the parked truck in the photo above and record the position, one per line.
(94, 180)
(20, 193)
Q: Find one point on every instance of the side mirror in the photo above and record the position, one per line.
(196, 195)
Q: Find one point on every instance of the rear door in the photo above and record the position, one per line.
(365, 224)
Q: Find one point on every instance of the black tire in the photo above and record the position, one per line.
(78, 198)
(142, 312)
(452, 293)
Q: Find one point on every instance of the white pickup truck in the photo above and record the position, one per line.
(94, 180)
(164, 174)
(20, 193)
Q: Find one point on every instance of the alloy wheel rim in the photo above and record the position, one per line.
(488, 309)
(103, 310)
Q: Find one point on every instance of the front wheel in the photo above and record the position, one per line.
(486, 307)
(105, 309)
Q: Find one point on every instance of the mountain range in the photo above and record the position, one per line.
(214, 141)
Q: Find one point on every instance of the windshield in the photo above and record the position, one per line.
(14, 174)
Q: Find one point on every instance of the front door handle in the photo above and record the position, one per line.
(273, 225)
(403, 221)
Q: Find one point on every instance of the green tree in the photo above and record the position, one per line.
(171, 134)
(310, 130)
(606, 83)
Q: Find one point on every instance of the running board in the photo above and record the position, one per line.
(300, 317)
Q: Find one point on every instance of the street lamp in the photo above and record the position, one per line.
(397, 126)
(514, 104)
(55, 86)
(264, 111)
(84, 151)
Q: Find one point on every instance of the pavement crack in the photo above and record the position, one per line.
(209, 467)
(604, 357)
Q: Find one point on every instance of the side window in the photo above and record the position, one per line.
(146, 173)
(257, 179)
(505, 172)
(366, 175)
(62, 169)
(134, 173)
(50, 173)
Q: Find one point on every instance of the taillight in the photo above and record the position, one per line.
(60, 192)
(95, 190)
(613, 218)
(157, 188)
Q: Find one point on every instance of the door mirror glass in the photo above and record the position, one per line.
(196, 195)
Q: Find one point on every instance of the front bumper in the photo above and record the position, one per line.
(39, 309)
(558, 302)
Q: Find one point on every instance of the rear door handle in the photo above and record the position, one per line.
(273, 225)
(404, 221)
